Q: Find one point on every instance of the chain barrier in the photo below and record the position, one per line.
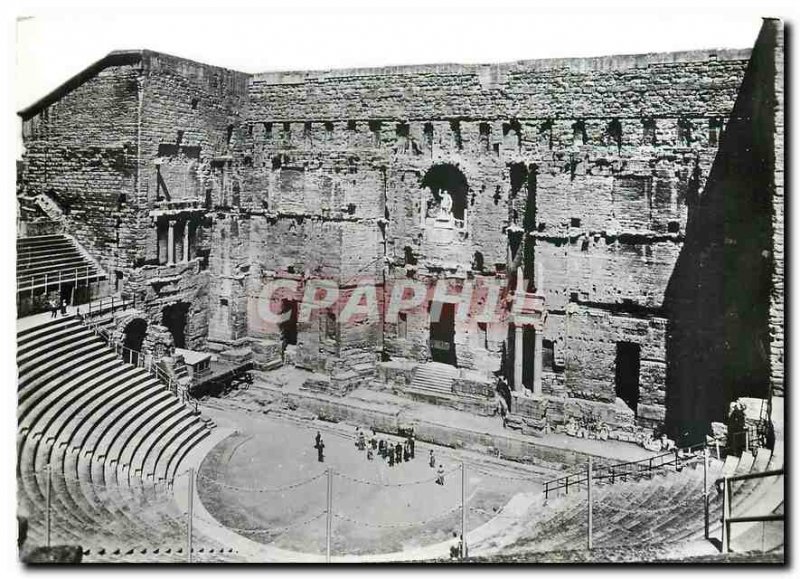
(265, 530)
(500, 513)
(397, 525)
(475, 468)
(400, 484)
(263, 489)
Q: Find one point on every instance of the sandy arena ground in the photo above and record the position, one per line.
(267, 484)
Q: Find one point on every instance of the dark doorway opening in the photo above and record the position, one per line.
(134, 338)
(528, 346)
(627, 379)
(66, 293)
(288, 328)
(174, 318)
(443, 333)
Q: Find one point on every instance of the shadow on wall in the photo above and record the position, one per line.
(717, 300)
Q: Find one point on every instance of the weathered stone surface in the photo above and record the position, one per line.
(582, 172)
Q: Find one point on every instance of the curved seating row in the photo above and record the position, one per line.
(112, 438)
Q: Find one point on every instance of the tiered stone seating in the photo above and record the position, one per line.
(56, 256)
(661, 511)
(113, 438)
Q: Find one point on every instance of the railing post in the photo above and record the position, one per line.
(329, 517)
(463, 553)
(705, 490)
(589, 502)
(190, 515)
(48, 500)
(725, 542)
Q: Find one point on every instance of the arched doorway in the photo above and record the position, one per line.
(173, 317)
(446, 180)
(134, 338)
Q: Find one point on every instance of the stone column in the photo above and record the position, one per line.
(518, 355)
(518, 341)
(171, 243)
(186, 241)
(537, 362)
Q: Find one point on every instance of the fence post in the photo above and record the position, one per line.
(705, 489)
(463, 511)
(329, 517)
(190, 516)
(47, 505)
(589, 499)
(725, 506)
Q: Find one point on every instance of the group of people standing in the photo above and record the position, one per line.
(54, 308)
(392, 452)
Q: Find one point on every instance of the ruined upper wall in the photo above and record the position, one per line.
(699, 82)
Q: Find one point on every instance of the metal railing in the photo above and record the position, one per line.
(141, 360)
(30, 282)
(727, 516)
(109, 305)
(677, 457)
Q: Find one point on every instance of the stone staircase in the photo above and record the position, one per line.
(48, 260)
(434, 379)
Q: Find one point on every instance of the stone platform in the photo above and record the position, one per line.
(281, 391)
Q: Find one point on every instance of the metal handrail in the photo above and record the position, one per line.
(634, 468)
(727, 500)
(142, 360)
(111, 304)
(64, 276)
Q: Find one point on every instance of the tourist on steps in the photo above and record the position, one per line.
(64, 308)
(54, 308)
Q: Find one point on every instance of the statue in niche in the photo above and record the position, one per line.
(446, 206)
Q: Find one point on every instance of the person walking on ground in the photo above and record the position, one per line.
(391, 458)
(321, 451)
(440, 475)
(64, 307)
(411, 444)
(406, 452)
(398, 452)
(454, 550)
(432, 460)
(317, 440)
(54, 308)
